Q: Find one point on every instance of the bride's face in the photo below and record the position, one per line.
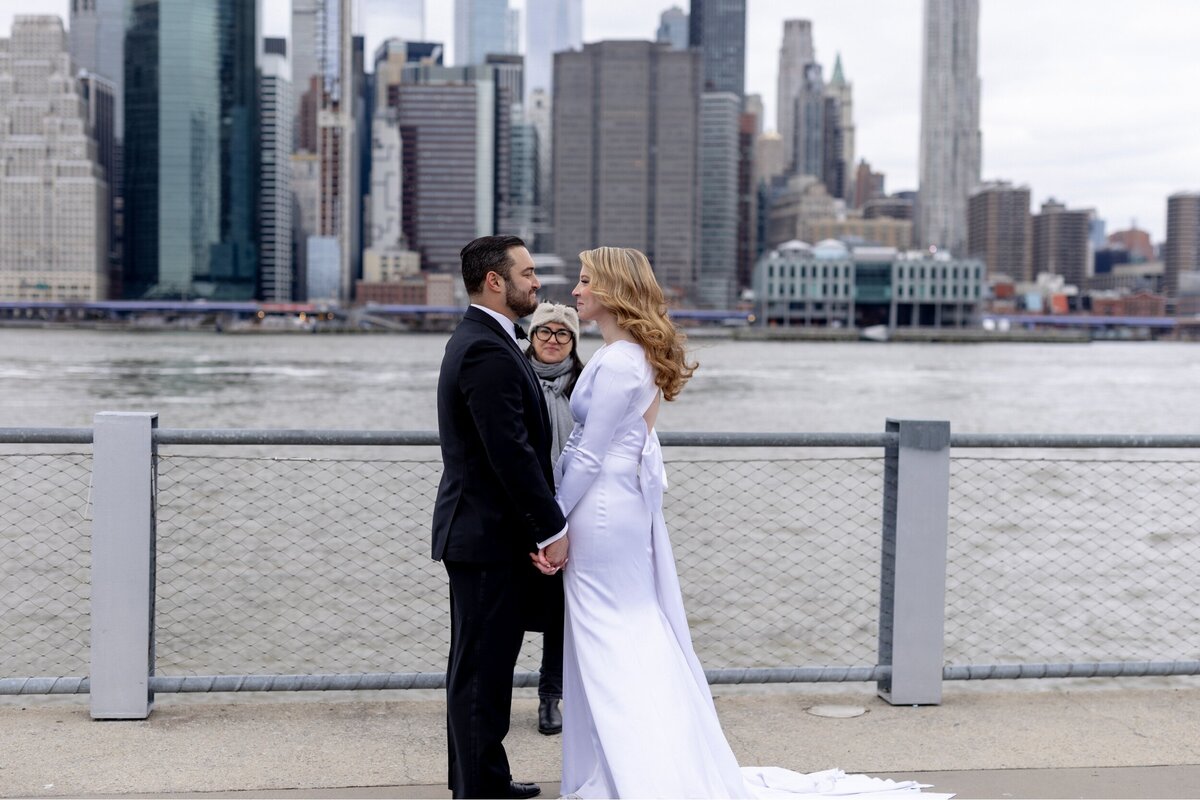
(589, 307)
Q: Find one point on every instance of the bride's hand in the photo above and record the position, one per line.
(543, 564)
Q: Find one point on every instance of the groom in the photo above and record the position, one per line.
(495, 504)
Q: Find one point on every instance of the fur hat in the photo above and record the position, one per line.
(556, 312)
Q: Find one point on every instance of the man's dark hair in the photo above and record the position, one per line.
(487, 254)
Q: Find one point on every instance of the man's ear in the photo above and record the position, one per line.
(493, 281)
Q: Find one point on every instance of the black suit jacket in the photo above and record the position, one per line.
(495, 501)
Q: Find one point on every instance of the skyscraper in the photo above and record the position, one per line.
(551, 26)
(100, 104)
(386, 197)
(305, 44)
(1061, 242)
(1000, 229)
(537, 113)
(673, 28)
(97, 37)
(753, 104)
(454, 133)
(795, 54)
(97, 42)
(719, 149)
(480, 27)
(192, 149)
(718, 29)
(53, 198)
(838, 139)
(867, 184)
(768, 157)
(808, 129)
(1182, 252)
(950, 138)
(275, 196)
(328, 89)
(521, 218)
(631, 185)
(749, 126)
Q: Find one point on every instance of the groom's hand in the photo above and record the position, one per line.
(556, 553)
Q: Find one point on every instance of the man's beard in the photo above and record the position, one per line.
(519, 304)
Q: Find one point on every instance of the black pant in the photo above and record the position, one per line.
(550, 676)
(485, 639)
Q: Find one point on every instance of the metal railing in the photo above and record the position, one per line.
(311, 571)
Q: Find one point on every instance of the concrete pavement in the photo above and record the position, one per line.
(1007, 742)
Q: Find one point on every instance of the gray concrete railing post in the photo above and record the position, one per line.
(123, 559)
(912, 595)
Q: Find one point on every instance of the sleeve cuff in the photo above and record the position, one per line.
(553, 538)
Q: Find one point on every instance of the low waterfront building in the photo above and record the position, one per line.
(833, 284)
(422, 289)
(1147, 276)
(1138, 304)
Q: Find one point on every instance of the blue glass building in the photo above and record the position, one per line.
(191, 149)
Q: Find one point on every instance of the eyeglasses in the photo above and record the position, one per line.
(545, 335)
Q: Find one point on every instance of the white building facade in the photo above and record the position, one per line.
(831, 284)
(53, 196)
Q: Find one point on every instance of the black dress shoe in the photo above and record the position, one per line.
(523, 789)
(549, 717)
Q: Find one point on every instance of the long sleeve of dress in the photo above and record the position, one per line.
(616, 386)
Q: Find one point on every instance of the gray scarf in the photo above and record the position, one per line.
(554, 379)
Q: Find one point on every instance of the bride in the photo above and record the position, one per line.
(638, 716)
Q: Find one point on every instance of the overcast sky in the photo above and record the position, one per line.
(1093, 102)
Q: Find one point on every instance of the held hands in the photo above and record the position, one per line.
(551, 558)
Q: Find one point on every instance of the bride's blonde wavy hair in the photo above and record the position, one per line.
(623, 281)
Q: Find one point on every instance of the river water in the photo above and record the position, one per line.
(305, 561)
(63, 377)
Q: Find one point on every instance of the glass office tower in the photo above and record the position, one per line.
(191, 149)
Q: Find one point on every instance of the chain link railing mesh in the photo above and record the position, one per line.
(310, 566)
(275, 565)
(45, 559)
(1058, 560)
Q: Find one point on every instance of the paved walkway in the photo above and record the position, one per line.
(981, 742)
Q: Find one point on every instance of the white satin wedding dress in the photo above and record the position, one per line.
(638, 716)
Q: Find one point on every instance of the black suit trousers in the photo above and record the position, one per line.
(486, 630)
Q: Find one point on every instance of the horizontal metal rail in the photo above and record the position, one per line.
(318, 438)
(326, 437)
(9, 686)
(437, 680)
(45, 435)
(1074, 440)
(1100, 669)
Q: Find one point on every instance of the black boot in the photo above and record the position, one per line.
(549, 717)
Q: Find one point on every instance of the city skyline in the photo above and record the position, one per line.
(1122, 144)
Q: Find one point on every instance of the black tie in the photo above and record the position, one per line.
(520, 332)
